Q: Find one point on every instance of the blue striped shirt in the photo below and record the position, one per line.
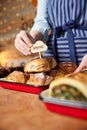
(41, 20)
(79, 9)
(57, 13)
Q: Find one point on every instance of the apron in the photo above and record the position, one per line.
(68, 21)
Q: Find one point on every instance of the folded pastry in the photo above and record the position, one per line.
(16, 76)
(39, 79)
(73, 87)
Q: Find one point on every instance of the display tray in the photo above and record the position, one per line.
(66, 107)
(22, 87)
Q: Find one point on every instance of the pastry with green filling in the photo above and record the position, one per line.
(73, 87)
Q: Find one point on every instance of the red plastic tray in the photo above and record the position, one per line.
(66, 107)
(22, 87)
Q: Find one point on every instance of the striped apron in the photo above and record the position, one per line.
(68, 21)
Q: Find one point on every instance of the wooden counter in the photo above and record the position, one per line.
(24, 111)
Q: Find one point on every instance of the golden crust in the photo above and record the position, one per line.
(36, 79)
(16, 76)
(52, 62)
(67, 67)
(78, 81)
(40, 65)
(37, 65)
(39, 79)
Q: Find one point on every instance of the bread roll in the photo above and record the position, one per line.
(37, 65)
(64, 69)
(36, 79)
(73, 87)
(40, 65)
(16, 76)
(67, 67)
(39, 79)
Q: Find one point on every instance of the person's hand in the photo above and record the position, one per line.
(82, 65)
(23, 42)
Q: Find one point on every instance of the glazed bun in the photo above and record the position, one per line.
(40, 65)
(37, 65)
(67, 67)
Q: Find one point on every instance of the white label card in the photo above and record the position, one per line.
(39, 46)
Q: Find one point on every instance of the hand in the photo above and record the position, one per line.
(82, 65)
(23, 42)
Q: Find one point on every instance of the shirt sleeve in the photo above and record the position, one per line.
(41, 20)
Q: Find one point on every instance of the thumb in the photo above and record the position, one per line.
(79, 68)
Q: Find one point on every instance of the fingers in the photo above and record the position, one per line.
(26, 38)
(78, 69)
(23, 42)
(22, 47)
(82, 65)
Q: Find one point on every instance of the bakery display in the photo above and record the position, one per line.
(39, 69)
(35, 72)
(72, 87)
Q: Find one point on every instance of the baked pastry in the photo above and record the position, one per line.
(52, 62)
(73, 87)
(39, 79)
(64, 69)
(36, 79)
(12, 57)
(40, 65)
(48, 80)
(67, 67)
(4, 71)
(16, 76)
(37, 65)
(56, 73)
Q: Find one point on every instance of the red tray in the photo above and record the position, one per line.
(66, 107)
(22, 87)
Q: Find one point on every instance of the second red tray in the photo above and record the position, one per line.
(66, 107)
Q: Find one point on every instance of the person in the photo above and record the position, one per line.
(62, 24)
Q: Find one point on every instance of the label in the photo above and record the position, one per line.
(39, 46)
